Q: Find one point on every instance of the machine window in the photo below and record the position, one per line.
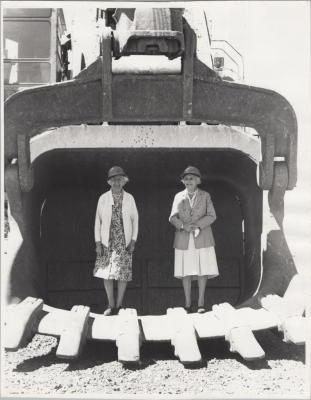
(27, 12)
(26, 72)
(26, 39)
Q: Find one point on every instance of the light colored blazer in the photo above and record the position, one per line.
(104, 213)
(203, 214)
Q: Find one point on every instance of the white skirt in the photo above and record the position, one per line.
(195, 262)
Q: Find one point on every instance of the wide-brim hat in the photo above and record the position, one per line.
(191, 171)
(116, 171)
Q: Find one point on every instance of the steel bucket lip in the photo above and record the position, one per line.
(176, 326)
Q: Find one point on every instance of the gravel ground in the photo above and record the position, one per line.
(36, 370)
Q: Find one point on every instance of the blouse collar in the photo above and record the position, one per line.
(185, 193)
(111, 201)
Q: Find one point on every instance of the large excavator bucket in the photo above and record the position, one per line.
(61, 139)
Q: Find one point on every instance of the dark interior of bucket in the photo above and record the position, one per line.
(63, 204)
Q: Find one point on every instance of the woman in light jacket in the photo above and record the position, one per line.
(192, 215)
(116, 230)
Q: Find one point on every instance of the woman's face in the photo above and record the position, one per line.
(191, 182)
(117, 183)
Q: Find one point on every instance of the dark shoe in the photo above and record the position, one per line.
(201, 310)
(188, 309)
(117, 309)
(108, 311)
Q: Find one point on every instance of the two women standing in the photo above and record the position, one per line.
(116, 230)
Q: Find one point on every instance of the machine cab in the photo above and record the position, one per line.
(34, 48)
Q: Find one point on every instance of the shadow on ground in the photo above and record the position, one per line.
(94, 353)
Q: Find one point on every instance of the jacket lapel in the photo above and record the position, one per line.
(200, 196)
(185, 199)
(184, 194)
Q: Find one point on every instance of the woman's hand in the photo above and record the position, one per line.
(188, 227)
(131, 247)
(194, 226)
(100, 249)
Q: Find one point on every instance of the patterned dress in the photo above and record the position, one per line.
(116, 263)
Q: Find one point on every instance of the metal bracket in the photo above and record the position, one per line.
(291, 160)
(107, 74)
(187, 71)
(277, 191)
(265, 178)
(25, 170)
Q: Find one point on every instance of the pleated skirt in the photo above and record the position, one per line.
(195, 262)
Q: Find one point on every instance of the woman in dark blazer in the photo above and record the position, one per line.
(192, 215)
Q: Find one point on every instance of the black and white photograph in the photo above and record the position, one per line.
(155, 199)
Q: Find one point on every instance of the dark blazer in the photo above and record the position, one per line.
(203, 215)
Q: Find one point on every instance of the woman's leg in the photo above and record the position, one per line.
(202, 280)
(186, 281)
(109, 291)
(121, 290)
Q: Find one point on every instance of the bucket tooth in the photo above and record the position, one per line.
(295, 295)
(21, 322)
(129, 336)
(238, 332)
(73, 335)
(183, 336)
(295, 329)
(243, 341)
(276, 305)
(289, 310)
